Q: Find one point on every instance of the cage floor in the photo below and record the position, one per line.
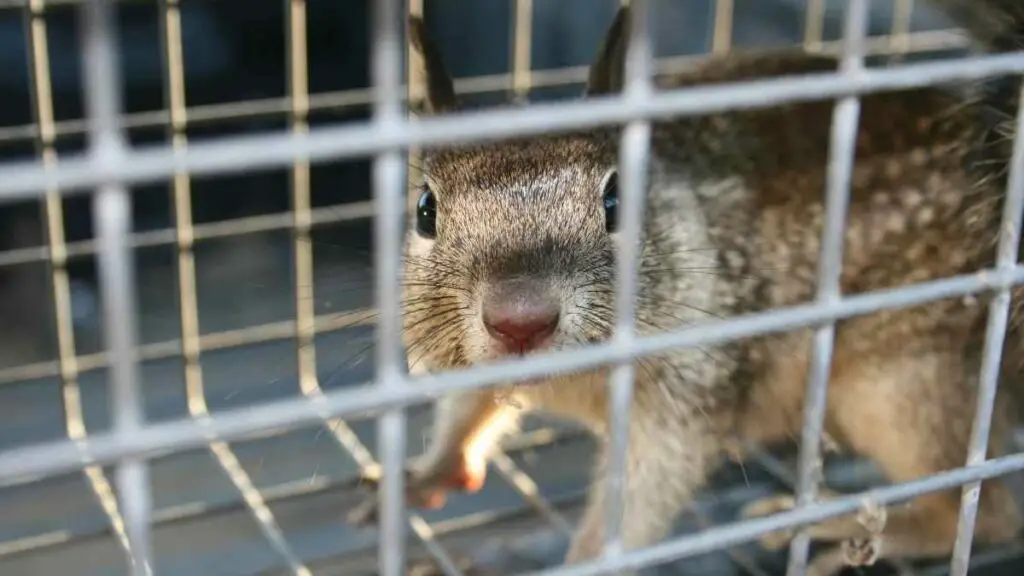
(305, 477)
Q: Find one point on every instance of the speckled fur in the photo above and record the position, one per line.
(734, 218)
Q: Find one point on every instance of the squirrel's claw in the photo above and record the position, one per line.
(419, 494)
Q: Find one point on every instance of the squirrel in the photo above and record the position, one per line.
(511, 252)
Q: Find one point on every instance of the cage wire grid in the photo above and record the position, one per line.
(110, 165)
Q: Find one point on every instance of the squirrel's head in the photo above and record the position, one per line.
(511, 245)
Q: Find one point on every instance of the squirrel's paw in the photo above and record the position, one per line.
(418, 494)
(425, 488)
(766, 507)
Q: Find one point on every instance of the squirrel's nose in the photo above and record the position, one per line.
(520, 319)
(521, 330)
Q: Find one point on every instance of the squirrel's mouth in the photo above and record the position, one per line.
(499, 351)
(496, 352)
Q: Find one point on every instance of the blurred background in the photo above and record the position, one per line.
(235, 65)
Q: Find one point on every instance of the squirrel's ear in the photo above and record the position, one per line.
(607, 70)
(440, 91)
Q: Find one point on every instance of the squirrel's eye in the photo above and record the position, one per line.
(426, 214)
(611, 204)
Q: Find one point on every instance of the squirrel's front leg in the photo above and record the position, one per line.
(663, 471)
(466, 428)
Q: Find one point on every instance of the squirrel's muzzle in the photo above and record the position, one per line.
(520, 315)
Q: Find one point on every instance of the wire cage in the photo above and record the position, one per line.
(151, 456)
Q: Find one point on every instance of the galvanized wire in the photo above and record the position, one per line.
(24, 464)
(634, 156)
(231, 155)
(842, 146)
(111, 165)
(112, 220)
(67, 365)
(361, 98)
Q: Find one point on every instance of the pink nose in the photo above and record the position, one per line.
(521, 323)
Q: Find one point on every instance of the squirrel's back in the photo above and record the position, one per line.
(927, 190)
(927, 180)
(998, 26)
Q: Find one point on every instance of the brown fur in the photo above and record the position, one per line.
(733, 225)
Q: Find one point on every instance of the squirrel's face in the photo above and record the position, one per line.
(511, 246)
(510, 251)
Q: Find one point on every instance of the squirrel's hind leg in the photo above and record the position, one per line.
(911, 414)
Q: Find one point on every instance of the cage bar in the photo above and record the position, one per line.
(634, 156)
(112, 221)
(390, 136)
(520, 481)
(923, 41)
(306, 319)
(783, 475)
(207, 231)
(53, 215)
(721, 39)
(302, 244)
(842, 146)
(745, 531)
(992, 354)
(389, 185)
(318, 484)
(415, 92)
(191, 344)
(530, 492)
(51, 458)
(522, 41)
(269, 332)
(900, 34)
(15, 4)
(814, 24)
(233, 154)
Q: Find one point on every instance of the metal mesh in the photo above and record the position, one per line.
(110, 165)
